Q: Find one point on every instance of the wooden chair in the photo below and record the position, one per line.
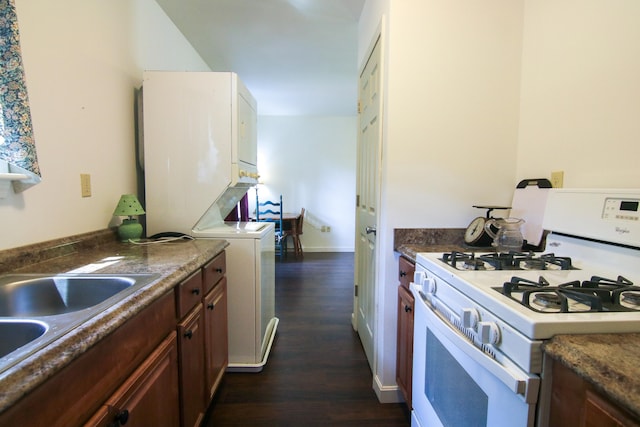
(270, 211)
(295, 233)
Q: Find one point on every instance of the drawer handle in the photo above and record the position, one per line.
(210, 306)
(122, 417)
(407, 309)
(188, 334)
(195, 291)
(403, 273)
(219, 270)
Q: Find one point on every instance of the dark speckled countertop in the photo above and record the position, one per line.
(608, 361)
(410, 241)
(172, 262)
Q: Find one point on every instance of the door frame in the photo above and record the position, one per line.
(377, 38)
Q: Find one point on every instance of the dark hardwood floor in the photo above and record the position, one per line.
(317, 373)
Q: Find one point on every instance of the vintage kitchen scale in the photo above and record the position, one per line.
(529, 201)
(476, 233)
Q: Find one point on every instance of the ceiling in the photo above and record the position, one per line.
(297, 57)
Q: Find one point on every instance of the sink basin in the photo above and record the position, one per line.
(46, 296)
(37, 309)
(15, 334)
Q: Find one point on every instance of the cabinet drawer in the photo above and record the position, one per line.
(406, 269)
(189, 293)
(150, 396)
(214, 271)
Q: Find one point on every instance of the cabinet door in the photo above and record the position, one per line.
(404, 351)
(216, 340)
(599, 412)
(149, 397)
(192, 386)
(573, 402)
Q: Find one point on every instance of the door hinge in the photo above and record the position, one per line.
(357, 200)
(355, 290)
(359, 110)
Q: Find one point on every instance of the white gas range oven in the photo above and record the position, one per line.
(481, 318)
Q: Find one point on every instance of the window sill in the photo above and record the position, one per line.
(5, 182)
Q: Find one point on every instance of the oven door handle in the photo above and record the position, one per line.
(506, 371)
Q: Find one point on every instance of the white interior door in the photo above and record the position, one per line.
(368, 159)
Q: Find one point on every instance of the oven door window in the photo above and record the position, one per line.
(453, 393)
(456, 389)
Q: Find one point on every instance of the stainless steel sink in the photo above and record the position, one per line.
(46, 296)
(37, 309)
(15, 334)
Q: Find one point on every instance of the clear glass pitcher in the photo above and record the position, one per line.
(509, 236)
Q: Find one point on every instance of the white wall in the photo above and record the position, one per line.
(580, 108)
(311, 162)
(450, 128)
(484, 95)
(83, 60)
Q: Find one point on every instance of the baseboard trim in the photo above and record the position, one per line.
(387, 394)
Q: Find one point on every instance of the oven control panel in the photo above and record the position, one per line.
(619, 209)
(608, 215)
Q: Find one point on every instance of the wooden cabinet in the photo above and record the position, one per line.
(213, 271)
(150, 396)
(216, 341)
(404, 349)
(574, 402)
(192, 384)
(201, 301)
(78, 391)
(189, 294)
(160, 368)
(406, 269)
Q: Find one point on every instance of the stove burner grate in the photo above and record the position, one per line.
(506, 261)
(596, 294)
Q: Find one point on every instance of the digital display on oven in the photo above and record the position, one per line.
(619, 209)
(629, 206)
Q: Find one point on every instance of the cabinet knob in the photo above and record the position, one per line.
(188, 334)
(122, 417)
(195, 291)
(210, 306)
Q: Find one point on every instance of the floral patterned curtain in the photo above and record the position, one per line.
(17, 146)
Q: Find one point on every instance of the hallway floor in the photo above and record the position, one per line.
(317, 373)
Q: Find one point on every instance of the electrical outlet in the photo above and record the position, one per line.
(557, 179)
(85, 184)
